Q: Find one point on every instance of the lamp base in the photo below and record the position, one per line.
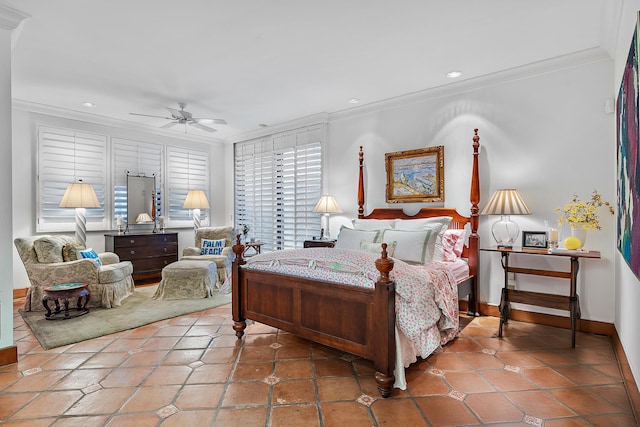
(505, 232)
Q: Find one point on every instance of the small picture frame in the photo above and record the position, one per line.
(534, 239)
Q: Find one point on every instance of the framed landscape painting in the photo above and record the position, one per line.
(415, 175)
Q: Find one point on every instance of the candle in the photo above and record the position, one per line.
(553, 234)
(161, 221)
(119, 220)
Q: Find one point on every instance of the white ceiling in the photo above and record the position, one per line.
(272, 61)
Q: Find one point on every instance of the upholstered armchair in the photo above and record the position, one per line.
(223, 260)
(52, 260)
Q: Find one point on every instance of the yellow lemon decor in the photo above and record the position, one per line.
(572, 243)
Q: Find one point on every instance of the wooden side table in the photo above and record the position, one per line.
(64, 293)
(560, 302)
(319, 243)
(252, 245)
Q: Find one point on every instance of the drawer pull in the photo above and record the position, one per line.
(165, 250)
(132, 241)
(133, 252)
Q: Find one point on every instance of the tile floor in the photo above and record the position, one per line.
(192, 371)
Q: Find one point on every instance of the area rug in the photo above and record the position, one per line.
(136, 310)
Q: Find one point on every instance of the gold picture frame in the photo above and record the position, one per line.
(415, 175)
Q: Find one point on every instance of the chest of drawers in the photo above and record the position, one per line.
(148, 252)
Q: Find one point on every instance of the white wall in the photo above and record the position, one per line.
(25, 170)
(544, 133)
(627, 285)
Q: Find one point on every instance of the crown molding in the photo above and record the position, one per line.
(11, 18)
(281, 127)
(49, 110)
(525, 71)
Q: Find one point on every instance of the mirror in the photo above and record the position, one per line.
(141, 204)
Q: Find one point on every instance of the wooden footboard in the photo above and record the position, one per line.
(348, 318)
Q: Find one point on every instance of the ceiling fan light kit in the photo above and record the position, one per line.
(182, 117)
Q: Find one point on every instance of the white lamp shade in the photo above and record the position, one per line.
(79, 195)
(196, 199)
(327, 205)
(143, 218)
(506, 202)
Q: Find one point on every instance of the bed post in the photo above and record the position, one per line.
(239, 323)
(474, 244)
(360, 186)
(384, 325)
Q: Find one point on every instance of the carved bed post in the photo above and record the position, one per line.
(384, 325)
(239, 323)
(361, 186)
(474, 240)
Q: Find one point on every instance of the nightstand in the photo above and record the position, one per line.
(329, 243)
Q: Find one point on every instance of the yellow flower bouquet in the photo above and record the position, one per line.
(584, 213)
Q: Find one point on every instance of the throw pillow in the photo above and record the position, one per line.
(411, 246)
(48, 250)
(348, 238)
(438, 225)
(376, 248)
(91, 254)
(212, 247)
(70, 251)
(452, 244)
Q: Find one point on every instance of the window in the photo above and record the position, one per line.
(186, 170)
(64, 156)
(134, 158)
(278, 181)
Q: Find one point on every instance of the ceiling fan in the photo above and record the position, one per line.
(182, 117)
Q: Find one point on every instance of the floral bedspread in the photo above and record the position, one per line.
(426, 296)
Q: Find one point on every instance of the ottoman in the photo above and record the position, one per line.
(187, 279)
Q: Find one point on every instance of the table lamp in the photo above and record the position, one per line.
(327, 205)
(505, 203)
(196, 200)
(80, 196)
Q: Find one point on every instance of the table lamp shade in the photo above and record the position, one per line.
(196, 200)
(80, 196)
(504, 203)
(327, 205)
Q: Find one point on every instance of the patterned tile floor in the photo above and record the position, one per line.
(192, 371)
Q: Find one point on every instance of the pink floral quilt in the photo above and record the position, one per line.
(426, 296)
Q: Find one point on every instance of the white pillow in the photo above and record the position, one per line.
(411, 246)
(348, 238)
(438, 224)
(373, 224)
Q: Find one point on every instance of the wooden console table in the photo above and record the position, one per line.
(570, 303)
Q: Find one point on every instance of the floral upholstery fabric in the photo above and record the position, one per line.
(223, 261)
(109, 284)
(187, 279)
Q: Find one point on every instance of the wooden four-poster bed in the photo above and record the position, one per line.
(353, 319)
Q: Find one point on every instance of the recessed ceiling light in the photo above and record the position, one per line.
(88, 104)
(454, 74)
(353, 101)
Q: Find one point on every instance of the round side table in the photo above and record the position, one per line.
(64, 292)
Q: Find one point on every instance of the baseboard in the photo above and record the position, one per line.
(627, 376)
(8, 355)
(20, 293)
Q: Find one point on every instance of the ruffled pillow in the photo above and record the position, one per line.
(452, 244)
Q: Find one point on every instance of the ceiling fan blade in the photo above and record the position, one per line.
(170, 125)
(207, 120)
(202, 127)
(149, 115)
(178, 114)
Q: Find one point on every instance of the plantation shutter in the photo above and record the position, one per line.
(135, 158)
(278, 181)
(64, 157)
(186, 170)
